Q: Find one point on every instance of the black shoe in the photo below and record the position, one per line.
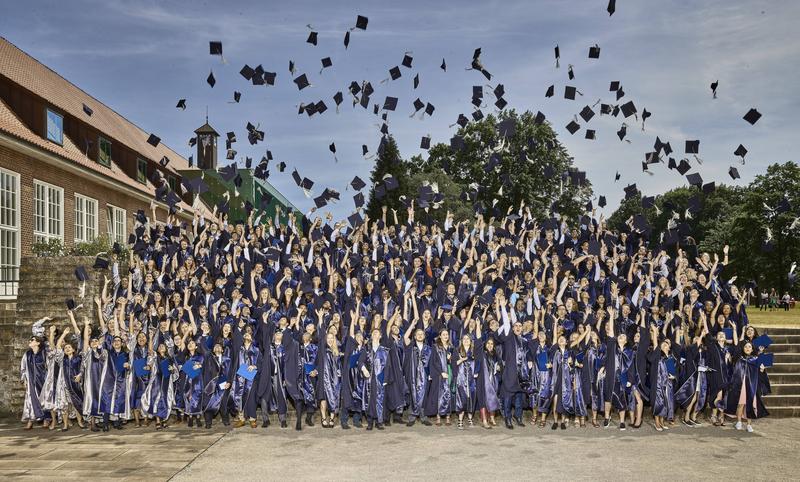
(299, 424)
(357, 424)
(519, 422)
(208, 425)
(563, 425)
(310, 420)
(606, 423)
(426, 422)
(94, 428)
(345, 426)
(509, 425)
(398, 418)
(284, 424)
(191, 421)
(265, 424)
(226, 423)
(554, 426)
(622, 426)
(369, 426)
(410, 423)
(388, 422)
(379, 426)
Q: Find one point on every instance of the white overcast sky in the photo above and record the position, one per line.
(140, 56)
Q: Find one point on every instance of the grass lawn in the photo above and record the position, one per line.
(774, 318)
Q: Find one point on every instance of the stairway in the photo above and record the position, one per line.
(784, 376)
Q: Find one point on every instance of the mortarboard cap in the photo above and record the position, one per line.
(301, 82)
(628, 109)
(346, 39)
(70, 304)
(326, 62)
(752, 116)
(391, 183)
(709, 188)
(740, 151)
(614, 86)
(683, 167)
(425, 143)
(358, 199)
(692, 147)
(358, 184)
(247, 72)
(153, 140)
(164, 161)
(87, 110)
(587, 113)
(550, 91)
(612, 7)
(601, 202)
(80, 273)
(407, 60)
(312, 38)
(569, 92)
(733, 172)
(181, 104)
(361, 22)
(395, 73)
(573, 127)
(355, 220)
(594, 52)
(390, 103)
(590, 134)
(215, 47)
(695, 179)
(211, 80)
(100, 263)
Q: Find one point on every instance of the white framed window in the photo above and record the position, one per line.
(55, 126)
(116, 224)
(9, 233)
(48, 212)
(85, 219)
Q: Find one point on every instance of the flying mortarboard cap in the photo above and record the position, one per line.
(501, 103)
(358, 199)
(390, 103)
(247, 72)
(740, 151)
(683, 167)
(648, 202)
(181, 104)
(573, 127)
(100, 263)
(640, 222)
(695, 179)
(601, 202)
(416, 81)
(612, 7)
(587, 113)
(346, 39)
(320, 201)
(361, 22)
(312, 38)
(628, 109)
(326, 62)
(80, 273)
(550, 91)
(429, 108)
(733, 172)
(407, 59)
(358, 184)
(164, 161)
(594, 52)
(614, 86)
(153, 140)
(355, 220)
(709, 188)
(752, 116)
(237, 96)
(425, 143)
(631, 191)
(70, 304)
(210, 79)
(590, 134)
(391, 183)
(539, 119)
(301, 82)
(281, 166)
(87, 110)
(395, 73)
(622, 132)
(692, 147)
(215, 47)
(569, 92)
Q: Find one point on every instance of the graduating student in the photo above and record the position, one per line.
(216, 376)
(139, 351)
(158, 398)
(329, 380)
(516, 368)
(438, 399)
(748, 383)
(465, 371)
(489, 370)
(416, 369)
(48, 394)
(662, 374)
(352, 379)
(373, 364)
(114, 400)
(69, 386)
(193, 383)
(719, 362)
(561, 391)
(33, 373)
(248, 357)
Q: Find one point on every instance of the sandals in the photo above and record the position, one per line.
(595, 424)
(460, 425)
(470, 423)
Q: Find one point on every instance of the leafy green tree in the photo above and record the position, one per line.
(522, 157)
(446, 186)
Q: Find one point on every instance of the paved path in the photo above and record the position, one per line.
(401, 453)
(129, 454)
(427, 453)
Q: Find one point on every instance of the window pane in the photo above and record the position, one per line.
(104, 152)
(141, 171)
(55, 127)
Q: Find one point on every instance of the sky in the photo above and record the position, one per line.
(140, 56)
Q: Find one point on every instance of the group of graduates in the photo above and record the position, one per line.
(388, 322)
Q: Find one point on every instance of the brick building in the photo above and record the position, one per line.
(71, 168)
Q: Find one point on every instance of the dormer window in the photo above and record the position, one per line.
(55, 126)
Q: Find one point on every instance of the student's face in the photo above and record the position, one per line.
(191, 345)
(444, 336)
(562, 341)
(68, 350)
(665, 347)
(33, 344)
(419, 336)
(248, 337)
(162, 349)
(376, 336)
(117, 344)
(331, 339)
(218, 349)
(466, 342)
(141, 339)
(747, 349)
(517, 328)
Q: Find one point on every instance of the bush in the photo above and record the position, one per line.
(55, 248)
(50, 248)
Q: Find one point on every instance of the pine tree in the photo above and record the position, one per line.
(388, 162)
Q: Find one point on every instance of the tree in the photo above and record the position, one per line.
(388, 162)
(449, 189)
(509, 169)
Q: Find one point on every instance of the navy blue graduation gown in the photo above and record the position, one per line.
(438, 397)
(375, 361)
(416, 371)
(489, 368)
(215, 372)
(352, 378)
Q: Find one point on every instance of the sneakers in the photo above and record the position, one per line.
(622, 426)
(749, 428)
(738, 425)
(606, 423)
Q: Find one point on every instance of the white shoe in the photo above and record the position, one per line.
(738, 425)
(749, 428)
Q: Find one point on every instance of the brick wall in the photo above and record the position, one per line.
(44, 285)
(30, 168)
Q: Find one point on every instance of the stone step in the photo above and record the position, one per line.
(784, 348)
(785, 388)
(784, 368)
(781, 400)
(787, 358)
(778, 330)
(790, 339)
(784, 378)
(784, 412)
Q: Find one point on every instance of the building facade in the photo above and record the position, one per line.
(71, 168)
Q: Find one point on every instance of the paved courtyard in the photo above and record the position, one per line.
(403, 454)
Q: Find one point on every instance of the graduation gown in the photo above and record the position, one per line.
(516, 377)
(68, 391)
(244, 390)
(541, 398)
(662, 396)
(489, 369)
(114, 383)
(158, 398)
(352, 378)
(396, 392)
(416, 371)
(438, 398)
(747, 384)
(215, 372)
(718, 374)
(93, 361)
(193, 387)
(560, 380)
(375, 361)
(138, 383)
(33, 373)
(464, 382)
